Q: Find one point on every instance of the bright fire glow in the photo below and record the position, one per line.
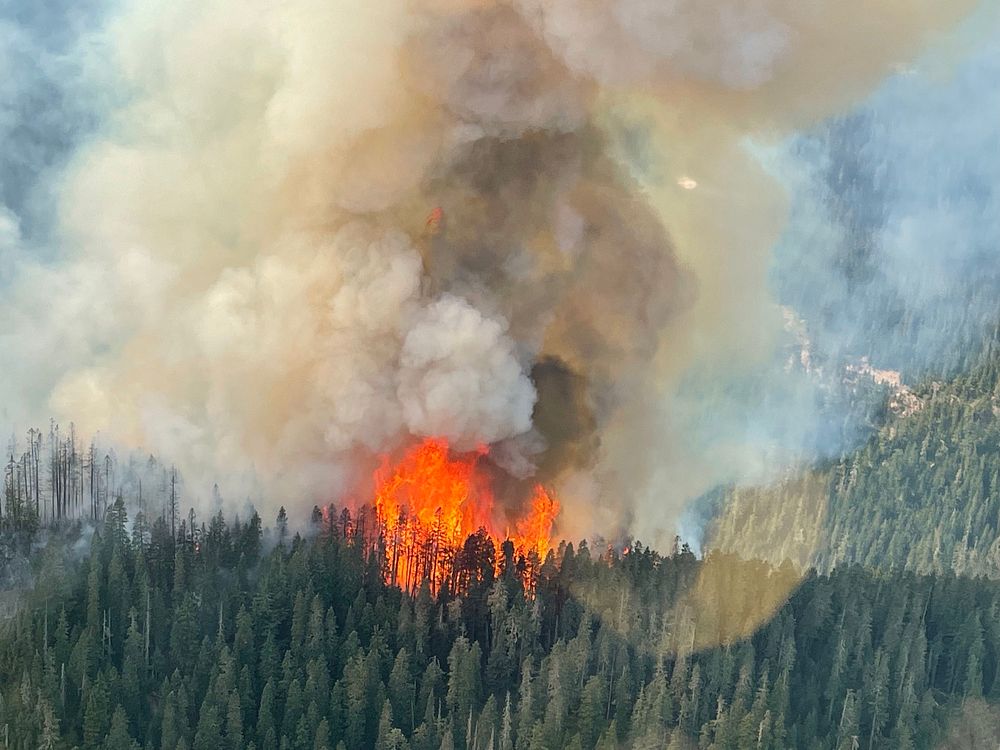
(432, 500)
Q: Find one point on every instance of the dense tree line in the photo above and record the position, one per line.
(207, 639)
(922, 494)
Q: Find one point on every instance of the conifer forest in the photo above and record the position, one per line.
(499, 375)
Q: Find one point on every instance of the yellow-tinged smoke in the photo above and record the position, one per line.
(257, 294)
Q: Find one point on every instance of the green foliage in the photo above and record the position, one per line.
(190, 643)
(922, 494)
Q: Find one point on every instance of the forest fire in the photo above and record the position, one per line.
(429, 505)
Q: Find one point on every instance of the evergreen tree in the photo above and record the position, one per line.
(119, 738)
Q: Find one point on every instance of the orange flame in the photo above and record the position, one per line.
(534, 532)
(432, 500)
(434, 220)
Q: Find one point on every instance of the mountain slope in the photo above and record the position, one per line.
(923, 493)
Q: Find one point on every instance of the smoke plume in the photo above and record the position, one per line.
(304, 233)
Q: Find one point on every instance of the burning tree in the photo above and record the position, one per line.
(436, 520)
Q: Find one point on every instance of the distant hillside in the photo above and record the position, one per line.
(923, 493)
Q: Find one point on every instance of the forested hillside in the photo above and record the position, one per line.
(922, 494)
(206, 641)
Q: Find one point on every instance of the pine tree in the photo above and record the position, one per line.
(322, 741)
(463, 677)
(169, 730)
(209, 732)
(389, 737)
(132, 687)
(593, 705)
(119, 738)
(401, 691)
(234, 722)
(97, 716)
(49, 738)
(281, 524)
(507, 726)
(265, 716)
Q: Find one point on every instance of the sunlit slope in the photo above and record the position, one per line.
(923, 493)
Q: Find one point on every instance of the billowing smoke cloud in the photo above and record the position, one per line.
(250, 284)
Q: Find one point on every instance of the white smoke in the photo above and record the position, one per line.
(458, 377)
(732, 42)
